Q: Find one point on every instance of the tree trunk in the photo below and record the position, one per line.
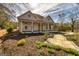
(72, 26)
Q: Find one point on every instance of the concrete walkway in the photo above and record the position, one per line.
(62, 41)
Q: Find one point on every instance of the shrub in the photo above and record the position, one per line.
(21, 42)
(50, 46)
(40, 44)
(46, 35)
(56, 47)
(9, 30)
(76, 35)
(71, 55)
(51, 51)
(71, 38)
(71, 51)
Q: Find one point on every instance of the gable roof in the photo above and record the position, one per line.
(24, 14)
(49, 18)
(36, 17)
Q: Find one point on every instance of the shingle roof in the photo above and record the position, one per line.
(36, 17)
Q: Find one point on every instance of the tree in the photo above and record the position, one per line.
(72, 24)
(73, 18)
(61, 16)
(5, 20)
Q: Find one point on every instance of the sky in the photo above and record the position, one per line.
(34, 5)
(53, 9)
(40, 8)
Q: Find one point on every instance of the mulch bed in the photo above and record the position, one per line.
(10, 49)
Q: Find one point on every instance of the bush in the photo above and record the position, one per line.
(70, 55)
(51, 51)
(71, 51)
(64, 27)
(76, 35)
(71, 38)
(9, 30)
(9, 26)
(49, 46)
(40, 44)
(56, 47)
(46, 35)
(21, 42)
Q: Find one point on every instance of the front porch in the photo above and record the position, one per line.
(33, 27)
(42, 31)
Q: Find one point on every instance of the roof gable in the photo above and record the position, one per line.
(31, 16)
(49, 19)
(28, 15)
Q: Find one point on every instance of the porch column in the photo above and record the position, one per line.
(32, 26)
(51, 27)
(40, 27)
(21, 27)
(48, 26)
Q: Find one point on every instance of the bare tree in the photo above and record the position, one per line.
(61, 16)
(73, 17)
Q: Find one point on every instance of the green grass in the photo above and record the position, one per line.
(40, 44)
(51, 48)
(56, 47)
(51, 51)
(71, 51)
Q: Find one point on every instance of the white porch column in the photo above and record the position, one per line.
(32, 26)
(21, 26)
(40, 27)
(48, 26)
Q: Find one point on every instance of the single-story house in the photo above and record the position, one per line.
(33, 23)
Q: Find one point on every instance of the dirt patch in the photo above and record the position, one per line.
(10, 48)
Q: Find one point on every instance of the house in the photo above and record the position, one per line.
(34, 23)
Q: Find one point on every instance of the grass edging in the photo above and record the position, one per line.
(57, 47)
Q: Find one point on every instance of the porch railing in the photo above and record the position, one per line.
(37, 31)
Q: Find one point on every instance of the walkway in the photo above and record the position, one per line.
(62, 41)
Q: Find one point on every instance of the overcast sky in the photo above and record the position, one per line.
(40, 8)
(53, 9)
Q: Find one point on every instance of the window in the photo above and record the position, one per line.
(25, 27)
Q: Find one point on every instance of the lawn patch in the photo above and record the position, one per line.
(71, 51)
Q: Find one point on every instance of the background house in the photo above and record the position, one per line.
(34, 23)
